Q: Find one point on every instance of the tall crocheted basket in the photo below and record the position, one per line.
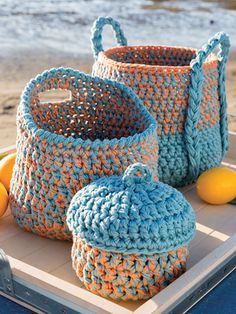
(130, 234)
(184, 90)
(63, 146)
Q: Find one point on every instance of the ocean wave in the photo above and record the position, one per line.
(64, 26)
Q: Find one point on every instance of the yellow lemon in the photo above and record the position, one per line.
(3, 199)
(217, 186)
(6, 168)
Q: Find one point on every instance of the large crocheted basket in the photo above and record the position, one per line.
(63, 146)
(130, 234)
(184, 90)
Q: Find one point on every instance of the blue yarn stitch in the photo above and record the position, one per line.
(174, 169)
(96, 38)
(191, 137)
(131, 214)
(195, 95)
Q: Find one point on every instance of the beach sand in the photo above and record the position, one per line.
(18, 70)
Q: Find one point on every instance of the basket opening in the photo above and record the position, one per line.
(55, 96)
(152, 55)
(95, 111)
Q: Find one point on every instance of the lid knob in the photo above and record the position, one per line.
(137, 173)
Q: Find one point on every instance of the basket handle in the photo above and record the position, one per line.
(96, 38)
(55, 78)
(195, 96)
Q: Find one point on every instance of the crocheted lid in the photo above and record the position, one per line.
(131, 214)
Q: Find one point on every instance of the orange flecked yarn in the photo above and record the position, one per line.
(63, 146)
(163, 72)
(126, 276)
(130, 234)
(184, 90)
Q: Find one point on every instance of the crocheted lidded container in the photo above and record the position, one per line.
(63, 146)
(184, 90)
(130, 234)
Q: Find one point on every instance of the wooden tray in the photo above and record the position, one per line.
(42, 273)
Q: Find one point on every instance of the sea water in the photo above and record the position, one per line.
(64, 25)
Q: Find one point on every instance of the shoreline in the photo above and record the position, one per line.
(19, 69)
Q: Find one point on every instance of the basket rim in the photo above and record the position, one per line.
(104, 57)
(53, 138)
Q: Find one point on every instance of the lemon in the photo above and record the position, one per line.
(6, 168)
(217, 186)
(3, 199)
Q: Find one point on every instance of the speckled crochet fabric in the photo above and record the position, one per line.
(184, 90)
(126, 276)
(130, 234)
(63, 146)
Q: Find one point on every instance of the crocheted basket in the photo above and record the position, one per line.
(130, 234)
(63, 146)
(184, 89)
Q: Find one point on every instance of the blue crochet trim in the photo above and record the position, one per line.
(35, 131)
(96, 39)
(195, 95)
(131, 214)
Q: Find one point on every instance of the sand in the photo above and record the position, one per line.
(16, 71)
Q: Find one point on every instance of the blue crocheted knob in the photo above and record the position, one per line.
(129, 177)
(131, 214)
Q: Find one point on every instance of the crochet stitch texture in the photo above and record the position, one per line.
(184, 90)
(131, 214)
(129, 234)
(63, 146)
(126, 276)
